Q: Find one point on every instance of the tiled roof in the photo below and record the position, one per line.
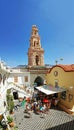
(67, 68)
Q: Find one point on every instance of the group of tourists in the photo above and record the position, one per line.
(36, 107)
(38, 104)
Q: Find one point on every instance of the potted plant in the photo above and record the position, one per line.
(10, 121)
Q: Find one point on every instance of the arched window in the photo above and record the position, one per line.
(34, 43)
(35, 32)
(37, 60)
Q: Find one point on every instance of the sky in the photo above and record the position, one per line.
(55, 22)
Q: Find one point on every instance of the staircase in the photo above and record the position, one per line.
(26, 91)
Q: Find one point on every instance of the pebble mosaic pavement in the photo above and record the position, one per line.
(54, 120)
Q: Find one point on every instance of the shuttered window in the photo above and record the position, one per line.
(26, 78)
(15, 79)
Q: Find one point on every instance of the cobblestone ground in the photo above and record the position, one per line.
(54, 120)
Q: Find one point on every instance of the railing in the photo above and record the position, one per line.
(24, 90)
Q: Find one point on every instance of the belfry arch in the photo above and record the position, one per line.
(37, 60)
(39, 81)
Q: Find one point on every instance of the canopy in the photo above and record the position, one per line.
(50, 90)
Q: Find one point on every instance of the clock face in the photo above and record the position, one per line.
(55, 73)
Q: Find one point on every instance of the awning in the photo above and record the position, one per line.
(50, 91)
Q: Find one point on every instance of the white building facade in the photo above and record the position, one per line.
(16, 80)
(20, 77)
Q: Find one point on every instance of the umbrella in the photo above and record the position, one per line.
(45, 100)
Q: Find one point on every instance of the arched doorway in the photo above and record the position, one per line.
(15, 95)
(39, 81)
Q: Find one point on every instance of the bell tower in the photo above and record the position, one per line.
(35, 51)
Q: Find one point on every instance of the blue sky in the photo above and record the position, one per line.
(55, 21)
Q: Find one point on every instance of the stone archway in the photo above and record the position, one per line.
(39, 81)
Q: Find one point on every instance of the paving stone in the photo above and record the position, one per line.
(54, 120)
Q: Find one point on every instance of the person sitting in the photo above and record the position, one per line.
(45, 109)
(42, 110)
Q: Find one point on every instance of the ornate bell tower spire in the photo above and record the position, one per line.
(35, 51)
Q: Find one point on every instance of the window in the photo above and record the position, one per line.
(63, 95)
(55, 73)
(37, 59)
(15, 79)
(26, 78)
(56, 83)
(35, 32)
(70, 97)
(34, 43)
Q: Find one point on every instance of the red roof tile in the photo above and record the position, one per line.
(67, 68)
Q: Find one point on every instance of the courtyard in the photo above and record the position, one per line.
(54, 120)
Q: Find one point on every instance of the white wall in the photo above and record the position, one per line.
(20, 78)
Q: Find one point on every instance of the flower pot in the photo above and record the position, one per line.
(11, 112)
(11, 124)
(1, 117)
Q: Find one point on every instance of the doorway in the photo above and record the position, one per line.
(39, 81)
(15, 95)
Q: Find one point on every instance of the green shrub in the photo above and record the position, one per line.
(9, 119)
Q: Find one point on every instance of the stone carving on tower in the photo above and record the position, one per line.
(35, 51)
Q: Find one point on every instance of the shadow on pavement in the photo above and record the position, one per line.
(66, 126)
